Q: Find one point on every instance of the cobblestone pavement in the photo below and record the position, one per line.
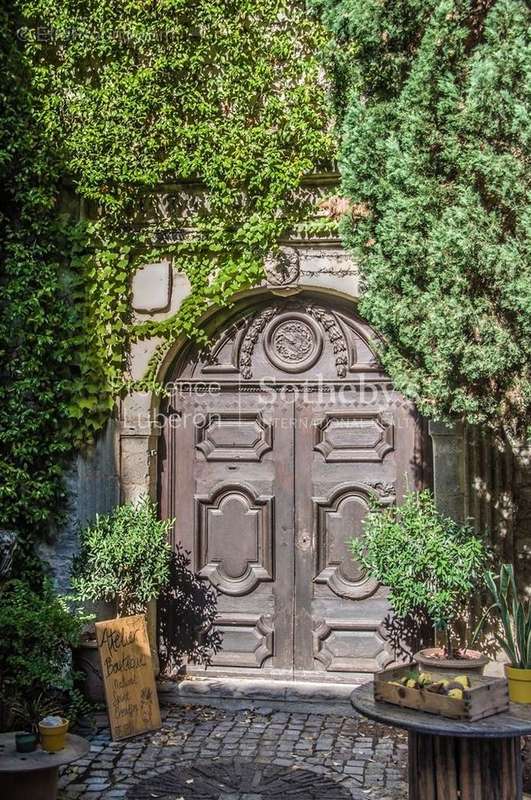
(212, 754)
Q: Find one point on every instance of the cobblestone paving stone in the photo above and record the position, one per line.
(212, 754)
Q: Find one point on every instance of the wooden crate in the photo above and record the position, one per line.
(486, 696)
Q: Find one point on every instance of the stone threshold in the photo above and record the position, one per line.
(262, 695)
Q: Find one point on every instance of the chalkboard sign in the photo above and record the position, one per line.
(128, 676)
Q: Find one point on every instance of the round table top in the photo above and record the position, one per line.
(11, 761)
(507, 725)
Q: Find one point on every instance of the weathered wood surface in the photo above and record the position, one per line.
(485, 697)
(11, 761)
(128, 676)
(450, 768)
(509, 724)
(34, 776)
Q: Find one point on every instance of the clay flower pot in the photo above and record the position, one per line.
(519, 684)
(87, 661)
(53, 737)
(470, 662)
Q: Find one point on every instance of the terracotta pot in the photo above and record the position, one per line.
(53, 737)
(473, 663)
(519, 684)
(87, 660)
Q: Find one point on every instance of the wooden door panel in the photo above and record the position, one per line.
(336, 518)
(234, 537)
(248, 639)
(348, 455)
(354, 437)
(351, 646)
(234, 436)
(234, 513)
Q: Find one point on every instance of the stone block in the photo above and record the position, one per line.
(152, 287)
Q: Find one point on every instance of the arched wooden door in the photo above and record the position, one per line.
(276, 441)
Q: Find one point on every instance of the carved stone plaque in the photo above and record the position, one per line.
(282, 268)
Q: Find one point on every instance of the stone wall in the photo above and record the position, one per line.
(93, 487)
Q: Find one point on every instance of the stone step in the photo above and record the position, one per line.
(263, 694)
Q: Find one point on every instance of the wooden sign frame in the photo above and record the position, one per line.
(128, 676)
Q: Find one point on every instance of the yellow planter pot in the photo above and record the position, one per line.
(519, 684)
(53, 737)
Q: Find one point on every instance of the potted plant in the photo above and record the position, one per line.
(515, 636)
(27, 713)
(431, 566)
(123, 561)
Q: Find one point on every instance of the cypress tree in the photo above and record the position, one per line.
(433, 107)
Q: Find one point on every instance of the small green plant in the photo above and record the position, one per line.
(430, 564)
(28, 711)
(124, 557)
(515, 617)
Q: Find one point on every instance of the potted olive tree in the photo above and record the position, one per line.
(431, 566)
(514, 637)
(125, 560)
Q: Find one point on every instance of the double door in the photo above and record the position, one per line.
(267, 489)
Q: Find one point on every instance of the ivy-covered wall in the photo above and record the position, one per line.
(105, 103)
(141, 133)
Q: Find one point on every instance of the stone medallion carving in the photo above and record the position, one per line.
(282, 267)
(293, 338)
(293, 342)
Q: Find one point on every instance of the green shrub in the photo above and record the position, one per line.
(124, 557)
(429, 563)
(37, 633)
